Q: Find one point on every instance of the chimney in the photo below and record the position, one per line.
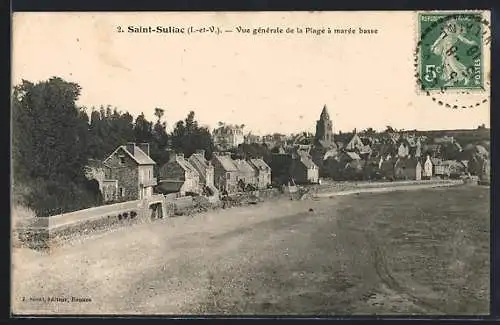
(131, 148)
(201, 152)
(144, 147)
(181, 155)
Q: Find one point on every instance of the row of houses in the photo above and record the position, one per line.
(301, 169)
(205, 177)
(127, 174)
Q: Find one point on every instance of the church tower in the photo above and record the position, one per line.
(324, 130)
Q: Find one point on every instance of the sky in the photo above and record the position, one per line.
(269, 82)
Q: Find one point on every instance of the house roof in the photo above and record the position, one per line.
(198, 160)
(139, 156)
(303, 147)
(244, 166)
(186, 165)
(306, 161)
(259, 164)
(353, 155)
(355, 140)
(226, 162)
(168, 186)
(330, 153)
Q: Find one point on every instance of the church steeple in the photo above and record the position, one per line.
(324, 129)
(324, 114)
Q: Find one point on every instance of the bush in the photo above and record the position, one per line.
(52, 197)
(21, 218)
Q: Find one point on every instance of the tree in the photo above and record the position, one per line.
(187, 137)
(160, 140)
(159, 113)
(252, 151)
(370, 131)
(143, 129)
(49, 130)
(450, 151)
(50, 146)
(389, 129)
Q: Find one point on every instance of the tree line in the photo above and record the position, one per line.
(53, 138)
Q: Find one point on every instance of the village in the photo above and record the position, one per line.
(128, 172)
(183, 163)
(299, 219)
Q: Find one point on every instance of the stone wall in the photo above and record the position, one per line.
(44, 233)
(126, 174)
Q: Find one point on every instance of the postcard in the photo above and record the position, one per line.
(325, 163)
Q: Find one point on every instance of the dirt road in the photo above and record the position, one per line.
(385, 253)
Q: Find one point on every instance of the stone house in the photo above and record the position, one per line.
(408, 169)
(246, 173)
(177, 175)
(132, 167)
(206, 172)
(96, 170)
(427, 168)
(228, 136)
(263, 172)
(303, 170)
(225, 172)
(252, 138)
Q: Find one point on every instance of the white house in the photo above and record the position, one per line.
(427, 170)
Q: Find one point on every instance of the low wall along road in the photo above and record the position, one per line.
(45, 232)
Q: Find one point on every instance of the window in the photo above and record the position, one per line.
(122, 160)
(149, 174)
(122, 191)
(228, 175)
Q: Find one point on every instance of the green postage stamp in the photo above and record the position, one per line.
(450, 51)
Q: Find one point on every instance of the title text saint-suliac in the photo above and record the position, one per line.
(156, 29)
